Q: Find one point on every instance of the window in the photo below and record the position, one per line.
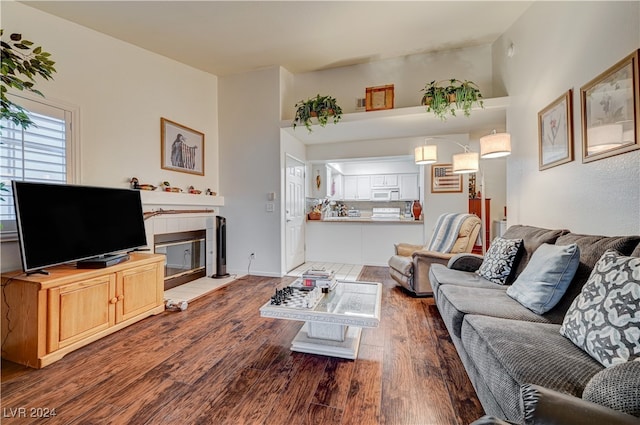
(39, 153)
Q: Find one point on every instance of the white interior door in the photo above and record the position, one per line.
(294, 213)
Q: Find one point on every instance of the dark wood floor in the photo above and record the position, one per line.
(220, 363)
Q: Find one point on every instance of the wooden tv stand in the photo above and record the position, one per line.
(52, 315)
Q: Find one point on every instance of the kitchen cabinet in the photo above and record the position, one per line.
(48, 316)
(409, 187)
(384, 181)
(370, 243)
(357, 188)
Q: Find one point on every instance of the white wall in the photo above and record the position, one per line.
(121, 92)
(408, 74)
(250, 169)
(561, 46)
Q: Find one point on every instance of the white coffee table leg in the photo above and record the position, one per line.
(347, 349)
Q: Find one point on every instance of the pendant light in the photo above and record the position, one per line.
(426, 154)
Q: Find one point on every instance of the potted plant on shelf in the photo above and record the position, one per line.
(321, 107)
(444, 99)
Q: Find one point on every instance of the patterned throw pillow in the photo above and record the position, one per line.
(604, 320)
(498, 261)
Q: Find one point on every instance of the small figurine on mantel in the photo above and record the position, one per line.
(210, 192)
(194, 190)
(167, 187)
(135, 184)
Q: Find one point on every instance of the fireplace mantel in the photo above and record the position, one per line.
(157, 197)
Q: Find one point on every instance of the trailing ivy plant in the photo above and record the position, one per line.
(468, 94)
(444, 97)
(21, 64)
(321, 107)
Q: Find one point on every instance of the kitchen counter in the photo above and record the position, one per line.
(367, 220)
(359, 240)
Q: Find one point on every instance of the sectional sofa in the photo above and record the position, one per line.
(509, 344)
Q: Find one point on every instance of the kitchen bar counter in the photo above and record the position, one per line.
(367, 220)
(359, 240)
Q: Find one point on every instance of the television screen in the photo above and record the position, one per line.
(60, 223)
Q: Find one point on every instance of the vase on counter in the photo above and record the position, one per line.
(417, 209)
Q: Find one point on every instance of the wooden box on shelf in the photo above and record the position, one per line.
(379, 98)
(46, 317)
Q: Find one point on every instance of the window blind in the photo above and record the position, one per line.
(38, 153)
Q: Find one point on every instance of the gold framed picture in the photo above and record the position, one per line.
(379, 98)
(443, 180)
(555, 132)
(182, 148)
(610, 107)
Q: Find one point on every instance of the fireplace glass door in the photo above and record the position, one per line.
(185, 256)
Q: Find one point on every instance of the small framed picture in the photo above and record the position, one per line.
(555, 132)
(182, 148)
(610, 107)
(378, 98)
(443, 180)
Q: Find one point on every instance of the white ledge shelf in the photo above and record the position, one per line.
(157, 197)
(397, 123)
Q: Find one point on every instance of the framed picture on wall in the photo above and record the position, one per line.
(555, 133)
(182, 148)
(610, 106)
(443, 180)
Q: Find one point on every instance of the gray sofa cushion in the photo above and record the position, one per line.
(440, 275)
(591, 249)
(455, 302)
(509, 353)
(532, 237)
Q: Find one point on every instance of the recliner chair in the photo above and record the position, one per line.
(454, 234)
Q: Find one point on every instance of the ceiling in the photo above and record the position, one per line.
(230, 37)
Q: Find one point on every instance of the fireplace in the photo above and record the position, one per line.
(185, 256)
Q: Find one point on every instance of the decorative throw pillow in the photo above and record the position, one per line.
(498, 261)
(546, 278)
(604, 320)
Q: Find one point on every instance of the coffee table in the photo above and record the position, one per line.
(334, 326)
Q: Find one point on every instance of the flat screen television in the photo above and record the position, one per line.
(62, 223)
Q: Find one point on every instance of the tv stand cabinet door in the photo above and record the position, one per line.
(138, 290)
(79, 310)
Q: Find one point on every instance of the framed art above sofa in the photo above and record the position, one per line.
(610, 106)
(555, 132)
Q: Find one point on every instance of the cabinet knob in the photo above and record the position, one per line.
(113, 300)
(120, 297)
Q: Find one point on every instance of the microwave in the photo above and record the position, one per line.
(385, 195)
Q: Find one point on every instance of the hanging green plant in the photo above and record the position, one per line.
(19, 59)
(444, 99)
(320, 107)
